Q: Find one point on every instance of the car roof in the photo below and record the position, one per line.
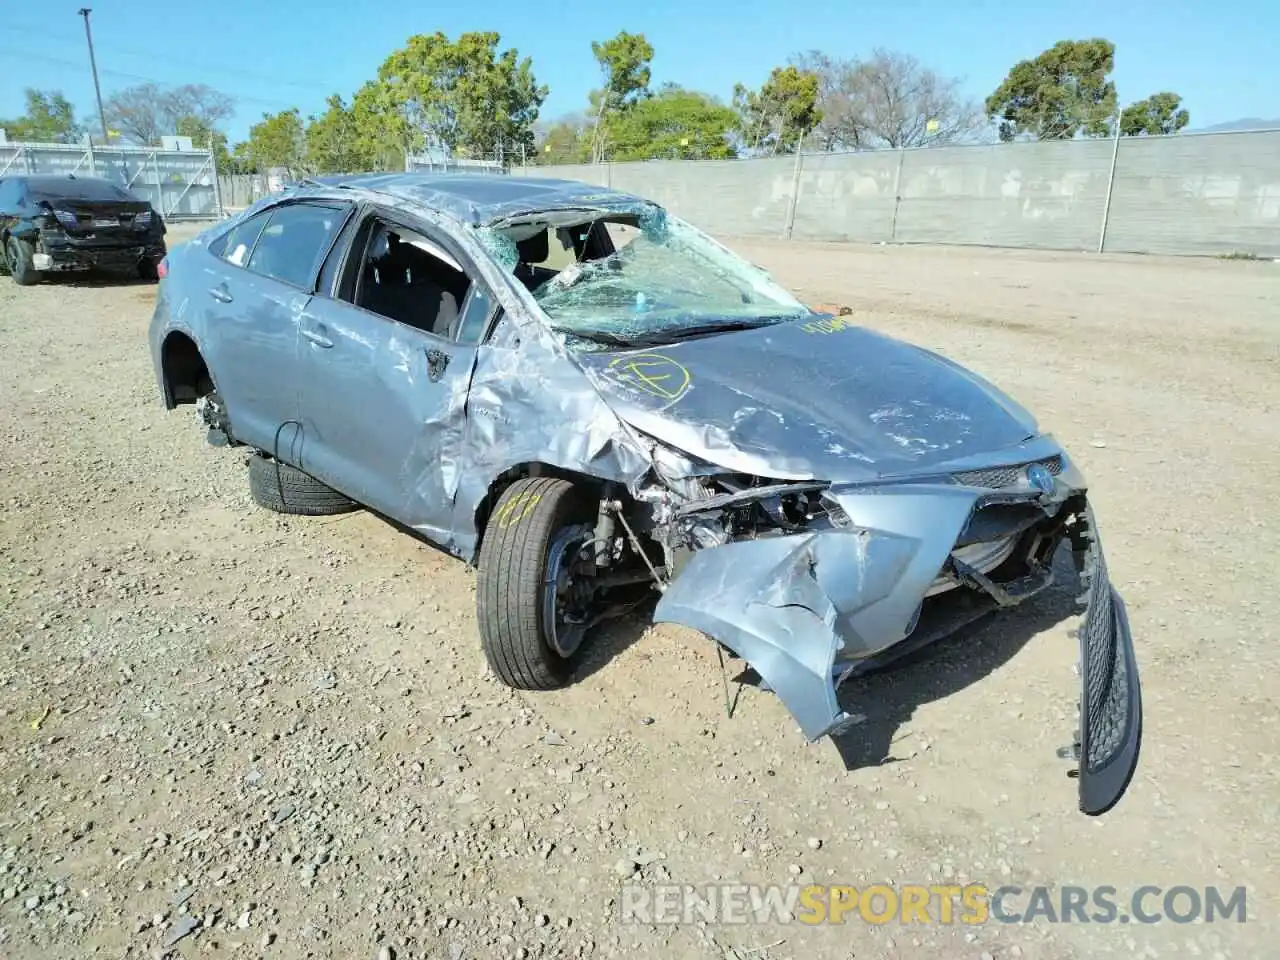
(484, 198)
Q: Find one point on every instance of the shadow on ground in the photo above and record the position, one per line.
(95, 279)
(610, 640)
(888, 698)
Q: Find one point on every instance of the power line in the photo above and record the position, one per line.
(138, 77)
(181, 61)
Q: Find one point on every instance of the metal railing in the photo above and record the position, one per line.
(439, 163)
(181, 184)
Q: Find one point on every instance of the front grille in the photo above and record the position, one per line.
(996, 477)
(1105, 679)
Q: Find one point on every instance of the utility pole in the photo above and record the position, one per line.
(93, 64)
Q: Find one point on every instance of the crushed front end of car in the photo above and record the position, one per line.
(816, 497)
(115, 240)
(813, 583)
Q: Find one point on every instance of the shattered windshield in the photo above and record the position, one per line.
(643, 279)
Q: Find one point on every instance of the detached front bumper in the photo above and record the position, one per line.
(808, 610)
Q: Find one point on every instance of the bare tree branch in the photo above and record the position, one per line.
(889, 100)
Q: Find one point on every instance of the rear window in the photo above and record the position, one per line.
(68, 188)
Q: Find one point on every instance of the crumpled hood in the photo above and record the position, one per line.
(818, 399)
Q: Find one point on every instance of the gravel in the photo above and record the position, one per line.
(222, 726)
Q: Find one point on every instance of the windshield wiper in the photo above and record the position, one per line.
(657, 338)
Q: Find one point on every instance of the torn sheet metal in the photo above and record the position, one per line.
(803, 609)
(530, 404)
(810, 609)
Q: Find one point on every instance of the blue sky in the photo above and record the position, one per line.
(272, 54)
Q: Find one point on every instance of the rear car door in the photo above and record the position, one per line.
(385, 363)
(257, 288)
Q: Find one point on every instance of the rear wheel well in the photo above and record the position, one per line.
(186, 375)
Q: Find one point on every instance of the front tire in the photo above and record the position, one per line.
(536, 527)
(19, 254)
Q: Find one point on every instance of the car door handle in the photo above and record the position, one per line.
(221, 293)
(319, 339)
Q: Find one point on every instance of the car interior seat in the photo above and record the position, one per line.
(386, 277)
(531, 250)
(409, 285)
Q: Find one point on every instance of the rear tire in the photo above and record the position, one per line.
(19, 254)
(510, 586)
(282, 488)
(148, 270)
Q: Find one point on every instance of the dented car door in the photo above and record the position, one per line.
(385, 379)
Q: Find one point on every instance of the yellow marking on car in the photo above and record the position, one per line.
(828, 325)
(516, 509)
(653, 373)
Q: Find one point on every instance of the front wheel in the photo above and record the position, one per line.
(20, 256)
(533, 593)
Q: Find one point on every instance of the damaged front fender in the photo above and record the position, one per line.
(760, 599)
(808, 609)
(805, 608)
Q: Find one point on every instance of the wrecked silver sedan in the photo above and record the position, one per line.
(588, 399)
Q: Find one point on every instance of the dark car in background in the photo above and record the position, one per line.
(56, 224)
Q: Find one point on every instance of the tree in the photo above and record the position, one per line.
(568, 140)
(500, 101)
(49, 118)
(206, 104)
(1160, 113)
(460, 96)
(242, 158)
(1061, 93)
(889, 100)
(148, 111)
(334, 143)
(675, 123)
(624, 66)
(204, 137)
(841, 126)
(381, 131)
(781, 114)
(138, 113)
(278, 140)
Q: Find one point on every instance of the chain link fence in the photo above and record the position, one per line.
(1205, 194)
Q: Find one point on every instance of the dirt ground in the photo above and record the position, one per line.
(277, 735)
